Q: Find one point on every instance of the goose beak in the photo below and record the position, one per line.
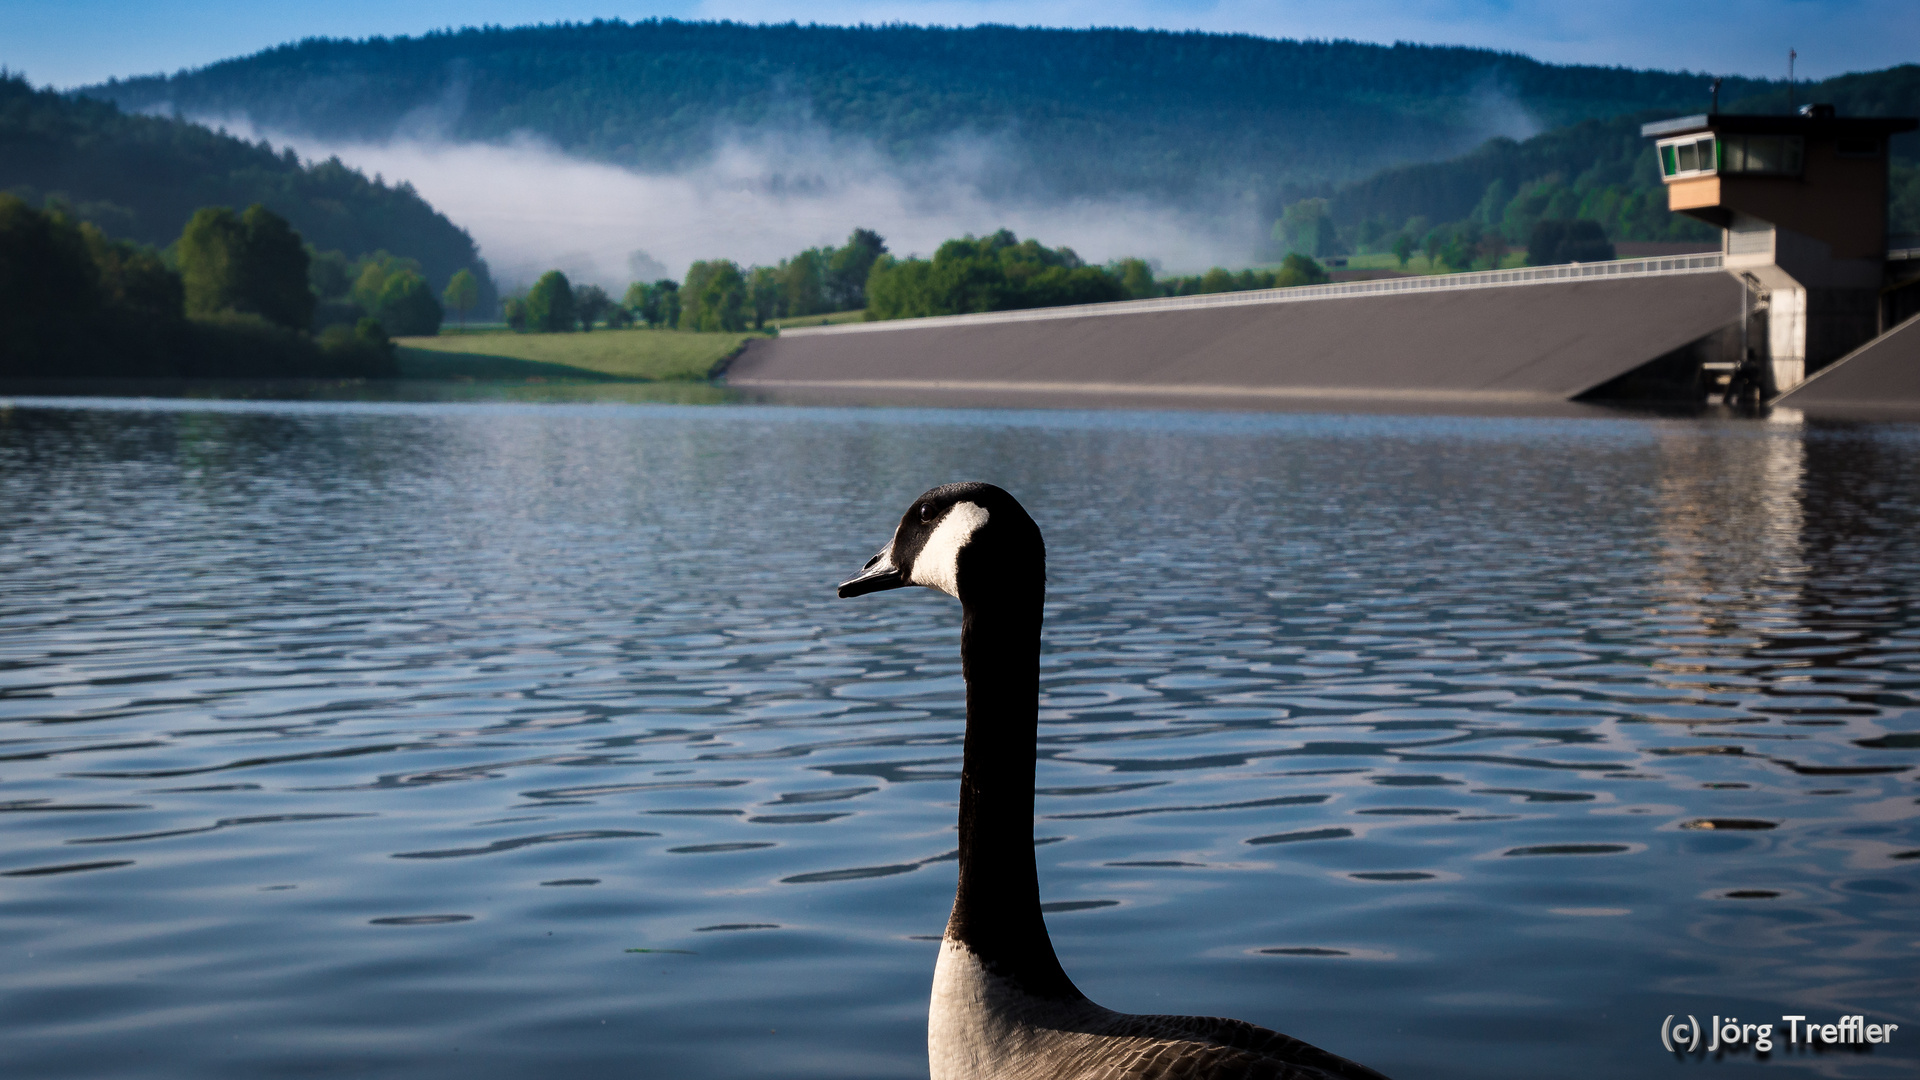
(879, 574)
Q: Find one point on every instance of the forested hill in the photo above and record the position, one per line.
(141, 177)
(1602, 170)
(1075, 111)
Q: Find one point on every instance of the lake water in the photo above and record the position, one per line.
(430, 740)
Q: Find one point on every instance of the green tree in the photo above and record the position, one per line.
(49, 288)
(406, 307)
(590, 303)
(135, 280)
(714, 297)
(1307, 228)
(370, 277)
(1217, 280)
(848, 267)
(275, 283)
(668, 293)
(764, 294)
(636, 299)
(1492, 249)
(463, 292)
(1403, 249)
(514, 310)
(250, 264)
(329, 273)
(901, 289)
(550, 304)
(1136, 278)
(1297, 269)
(657, 304)
(993, 273)
(803, 281)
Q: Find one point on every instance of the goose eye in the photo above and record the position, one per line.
(926, 512)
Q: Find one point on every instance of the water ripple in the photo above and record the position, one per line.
(1620, 715)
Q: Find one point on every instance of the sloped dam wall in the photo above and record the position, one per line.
(1534, 335)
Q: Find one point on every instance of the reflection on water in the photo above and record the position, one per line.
(508, 740)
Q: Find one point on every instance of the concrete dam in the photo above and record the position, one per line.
(1807, 304)
(1530, 335)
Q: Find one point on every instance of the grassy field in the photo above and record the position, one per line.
(650, 355)
(820, 320)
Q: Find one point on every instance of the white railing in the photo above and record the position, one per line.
(1710, 262)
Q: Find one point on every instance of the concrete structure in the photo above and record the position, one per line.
(1803, 277)
(1530, 335)
(1801, 202)
(1882, 376)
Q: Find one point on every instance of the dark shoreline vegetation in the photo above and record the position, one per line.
(78, 304)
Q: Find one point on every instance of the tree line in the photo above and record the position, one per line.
(231, 297)
(716, 295)
(999, 272)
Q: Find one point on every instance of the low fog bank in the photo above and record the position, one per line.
(761, 197)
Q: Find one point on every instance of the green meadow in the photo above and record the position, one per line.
(642, 355)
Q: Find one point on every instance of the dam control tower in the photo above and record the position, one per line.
(1801, 202)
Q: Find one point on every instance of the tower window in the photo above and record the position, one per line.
(1778, 154)
(1692, 156)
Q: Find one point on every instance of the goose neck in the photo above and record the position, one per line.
(996, 910)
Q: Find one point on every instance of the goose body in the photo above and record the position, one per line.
(1002, 1006)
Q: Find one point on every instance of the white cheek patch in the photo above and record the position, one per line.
(938, 564)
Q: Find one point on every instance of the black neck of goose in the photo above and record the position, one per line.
(996, 910)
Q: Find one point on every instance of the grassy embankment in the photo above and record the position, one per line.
(857, 315)
(600, 355)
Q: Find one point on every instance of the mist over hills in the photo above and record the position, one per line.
(610, 146)
(1067, 112)
(616, 149)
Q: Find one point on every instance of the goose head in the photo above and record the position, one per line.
(972, 541)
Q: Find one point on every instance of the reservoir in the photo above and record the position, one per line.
(497, 740)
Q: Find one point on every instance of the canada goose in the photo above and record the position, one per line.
(1003, 1009)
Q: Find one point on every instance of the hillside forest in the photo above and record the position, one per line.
(140, 178)
(1073, 113)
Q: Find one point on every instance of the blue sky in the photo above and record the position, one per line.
(70, 42)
